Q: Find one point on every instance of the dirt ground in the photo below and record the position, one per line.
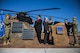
(17, 42)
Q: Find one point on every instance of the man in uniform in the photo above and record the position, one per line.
(50, 23)
(7, 26)
(50, 28)
(75, 31)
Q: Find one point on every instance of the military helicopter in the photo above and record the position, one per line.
(21, 15)
(25, 18)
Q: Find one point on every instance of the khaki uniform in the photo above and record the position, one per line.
(50, 24)
(7, 26)
(75, 31)
(50, 29)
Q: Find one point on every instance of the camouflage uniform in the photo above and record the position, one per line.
(7, 25)
(75, 30)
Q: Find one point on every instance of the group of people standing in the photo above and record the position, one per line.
(38, 28)
(47, 28)
(74, 31)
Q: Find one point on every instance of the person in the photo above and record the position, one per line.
(68, 26)
(46, 30)
(7, 28)
(75, 31)
(50, 24)
(38, 27)
(50, 30)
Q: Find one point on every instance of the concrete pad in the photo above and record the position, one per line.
(62, 50)
(21, 50)
(39, 50)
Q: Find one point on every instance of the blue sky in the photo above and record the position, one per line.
(69, 8)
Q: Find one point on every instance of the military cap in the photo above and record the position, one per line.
(50, 18)
(7, 15)
(74, 17)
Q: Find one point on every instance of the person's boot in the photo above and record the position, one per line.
(8, 42)
(4, 43)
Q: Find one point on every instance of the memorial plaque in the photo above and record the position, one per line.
(17, 27)
(28, 34)
(60, 29)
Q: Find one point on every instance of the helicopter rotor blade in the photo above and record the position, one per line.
(2, 14)
(49, 16)
(33, 17)
(7, 13)
(8, 10)
(44, 9)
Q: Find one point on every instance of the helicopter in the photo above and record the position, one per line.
(25, 18)
(22, 16)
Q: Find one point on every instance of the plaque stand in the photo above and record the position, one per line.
(60, 39)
